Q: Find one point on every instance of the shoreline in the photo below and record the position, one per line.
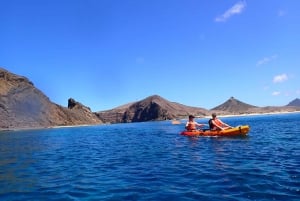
(43, 128)
(250, 114)
(257, 114)
(175, 122)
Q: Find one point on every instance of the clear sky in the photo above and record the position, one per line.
(106, 53)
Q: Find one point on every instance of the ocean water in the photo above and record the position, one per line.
(152, 161)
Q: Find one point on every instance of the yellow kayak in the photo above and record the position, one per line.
(236, 131)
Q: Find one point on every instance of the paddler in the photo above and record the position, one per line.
(192, 125)
(216, 123)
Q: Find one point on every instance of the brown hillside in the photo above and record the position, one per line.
(24, 106)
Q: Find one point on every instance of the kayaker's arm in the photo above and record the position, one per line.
(226, 125)
(200, 125)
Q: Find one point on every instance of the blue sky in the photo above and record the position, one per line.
(105, 53)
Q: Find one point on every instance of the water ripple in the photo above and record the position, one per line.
(151, 161)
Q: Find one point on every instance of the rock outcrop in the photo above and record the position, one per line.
(24, 106)
(152, 108)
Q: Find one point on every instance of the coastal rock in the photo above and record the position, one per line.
(73, 104)
(152, 108)
(80, 113)
(24, 106)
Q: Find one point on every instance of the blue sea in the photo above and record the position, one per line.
(152, 161)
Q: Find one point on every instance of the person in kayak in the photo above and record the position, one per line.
(191, 125)
(216, 124)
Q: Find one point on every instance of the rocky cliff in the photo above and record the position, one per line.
(149, 109)
(24, 106)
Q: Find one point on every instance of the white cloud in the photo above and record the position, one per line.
(280, 78)
(276, 93)
(235, 9)
(266, 60)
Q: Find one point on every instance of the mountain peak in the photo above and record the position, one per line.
(153, 98)
(295, 102)
(233, 105)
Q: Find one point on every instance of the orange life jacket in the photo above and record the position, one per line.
(216, 121)
(191, 126)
